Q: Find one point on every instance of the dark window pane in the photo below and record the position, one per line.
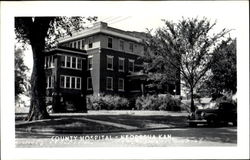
(67, 82)
(78, 83)
(90, 62)
(109, 42)
(63, 61)
(73, 82)
(68, 61)
(79, 63)
(73, 62)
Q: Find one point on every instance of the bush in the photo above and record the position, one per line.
(155, 102)
(107, 102)
(226, 98)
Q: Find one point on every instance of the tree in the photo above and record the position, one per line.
(223, 78)
(41, 33)
(186, 46)
(21, 79)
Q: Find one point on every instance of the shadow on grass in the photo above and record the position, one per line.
(176, 126)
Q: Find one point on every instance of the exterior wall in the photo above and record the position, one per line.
(62, 97)
(138, 48)
(115, 74)
(95, 72)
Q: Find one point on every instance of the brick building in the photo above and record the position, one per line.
(109, 64)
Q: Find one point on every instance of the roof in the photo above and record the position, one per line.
(137, 75)
(100, 27)
(67, 50)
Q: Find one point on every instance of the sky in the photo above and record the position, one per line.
(140, 16)
(142, 23)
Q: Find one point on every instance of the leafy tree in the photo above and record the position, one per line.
(21, 79)
(186, 46)
(41, 33)
(223, 76)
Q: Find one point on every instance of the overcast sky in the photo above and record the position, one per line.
(140, 16)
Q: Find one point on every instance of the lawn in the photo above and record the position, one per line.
(102, 121)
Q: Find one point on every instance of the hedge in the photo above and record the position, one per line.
(149, 102)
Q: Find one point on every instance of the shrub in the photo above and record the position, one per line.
(107, 102)
(155, 102)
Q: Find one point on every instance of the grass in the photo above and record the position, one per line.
(75, 122)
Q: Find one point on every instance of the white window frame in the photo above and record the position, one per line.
(78, 44)
(82, 43)
(121, 89)
(133, 61)
(123, 60)
(130, 43)
(112, 57)
(111, 78)
(70, 67)
(49, 62)
(71, 44)
(50, 82)
(70, 82)
(121, 48)
(90, 41)
(111, 42)
(90, 57)
(88, 83)
(78, 58)
(76, 78)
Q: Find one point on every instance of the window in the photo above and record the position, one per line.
(68, 59)
(131, 65)
(49, 62)
(121, 45)
(73, 62)
(131, 47)
(78, 83)
(67, 82)
(83, 43)
(121, 64)
(109, 62)
(73, 82)
(120, 84)
(50, 82)
(90, 45)
(75, 44)
(79, 43)
(89, 83)
(71, 45)
(109, 83)
(63, 61)
(79, 63)
(70, 82)
(90, 62)
(62, 81)
(109, 42)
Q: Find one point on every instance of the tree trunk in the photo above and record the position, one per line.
(38, 89)
(37, 103)
(192, 99)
